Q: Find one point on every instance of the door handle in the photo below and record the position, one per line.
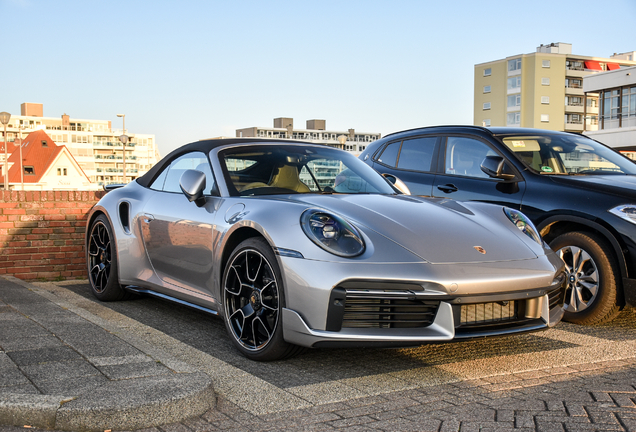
(447, 188)
(147, 218)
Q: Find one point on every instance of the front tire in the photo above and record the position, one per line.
(101, 257)
(591, 295)
(253, 298)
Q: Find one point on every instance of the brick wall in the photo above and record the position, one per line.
(42, 233)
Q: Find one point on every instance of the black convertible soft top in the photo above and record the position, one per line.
(204, 146)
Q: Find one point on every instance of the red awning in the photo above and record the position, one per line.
(593, 65)
(613, 66)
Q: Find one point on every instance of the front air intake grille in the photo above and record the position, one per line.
(363, 312)
(488, 313)
(557, 297)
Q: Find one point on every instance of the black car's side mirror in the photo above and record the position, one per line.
(192, 184)
(495, 166)
(397, 183)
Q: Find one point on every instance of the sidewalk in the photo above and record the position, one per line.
(61, 371)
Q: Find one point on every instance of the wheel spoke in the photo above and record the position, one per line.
(249, 266)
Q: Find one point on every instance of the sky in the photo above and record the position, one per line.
(188, 70)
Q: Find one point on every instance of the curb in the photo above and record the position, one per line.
(133, 402)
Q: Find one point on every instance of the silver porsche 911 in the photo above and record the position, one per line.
(297, 245)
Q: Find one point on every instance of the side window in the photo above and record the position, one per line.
(389, 155)
(417, 154)
(464, 156)
(157, 184)
(195, 160)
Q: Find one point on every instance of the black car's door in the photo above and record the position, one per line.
(460, 176)
(412, 160)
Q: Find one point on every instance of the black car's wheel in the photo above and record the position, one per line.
(591, 293)
(101, 257)
(254, 298)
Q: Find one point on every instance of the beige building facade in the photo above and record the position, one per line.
(542, 90)
(315, 132)
(94, 144)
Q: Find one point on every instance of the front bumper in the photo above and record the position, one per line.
(387, 323)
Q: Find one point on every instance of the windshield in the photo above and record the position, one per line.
(285, 169)
(568, 154)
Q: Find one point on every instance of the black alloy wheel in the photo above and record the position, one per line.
(253, 298)
(101, 258)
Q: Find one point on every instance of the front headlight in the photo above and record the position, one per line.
(332, 233)
(625, 211)
(523, 223)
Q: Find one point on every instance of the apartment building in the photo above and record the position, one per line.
(543, 89)
(94, 144)
(616, 93)
(315, 132)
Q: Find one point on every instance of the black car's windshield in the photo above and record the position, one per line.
(284, 169)
(567, 154)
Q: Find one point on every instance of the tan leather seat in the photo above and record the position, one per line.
(287, 178)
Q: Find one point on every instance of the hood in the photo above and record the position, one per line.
(619, 185)
(438, 231)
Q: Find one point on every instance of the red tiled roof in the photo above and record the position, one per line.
(34, 154)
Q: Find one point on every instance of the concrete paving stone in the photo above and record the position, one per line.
(433, 406)
(93, 341)
(119, 360)
(363, 401)
(134, 370)
(5, 361)
(351, 421)
(72, 386)
(575, 409)
(330, 407)
(20, 328)
(197, 424)
(524, 420)
(43, 355)
(404, 425)
(176, 427)
(7, 313)
(597, 416)
(26, 388)
(544, 426)
(480, 426)
(34, 342)
(12, 377)
(386, 415)
(58, 371)
(504, 415)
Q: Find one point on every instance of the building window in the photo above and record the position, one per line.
(487, 72)
(575, 65)
(545, 81)
(545, 118)
(514, 65)
(573, 119)
(44, 143)
(514, 84)
(575, 83)
(574, 101)
(486, 123)
(513, 119)
(486, 105)
(545, 63)
(592, 102)
(61, 171)
(29, 170)
(514, 101)
(545, 100)
(486, 89)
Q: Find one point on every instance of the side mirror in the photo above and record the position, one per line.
(397, 183)
(495, 167)
(192, 184)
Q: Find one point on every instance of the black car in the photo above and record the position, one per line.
(579, 193)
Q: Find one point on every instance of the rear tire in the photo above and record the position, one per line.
(591, 295)
(254, 298)
(101, 258)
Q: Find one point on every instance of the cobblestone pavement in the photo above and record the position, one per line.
(570, 378)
